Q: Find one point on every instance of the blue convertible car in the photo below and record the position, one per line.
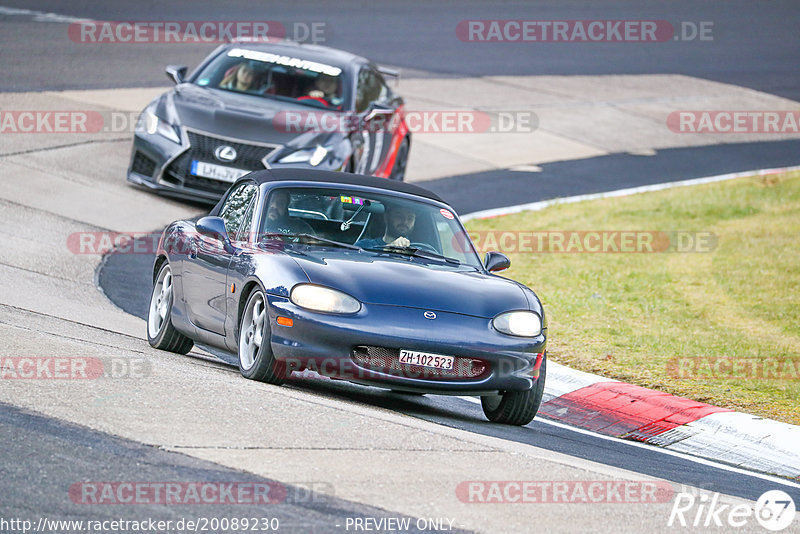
(356, 278)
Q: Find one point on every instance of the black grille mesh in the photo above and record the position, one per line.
(202, 148)
(388, 361)
(143, 165)
(247, 156)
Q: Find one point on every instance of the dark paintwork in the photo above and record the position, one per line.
(394, 292)
(248, 119)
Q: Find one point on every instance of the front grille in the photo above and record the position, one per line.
(202, 148)
(247, 156)
(143, 165)
(387, 361)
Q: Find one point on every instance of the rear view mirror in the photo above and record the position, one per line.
(362, 205)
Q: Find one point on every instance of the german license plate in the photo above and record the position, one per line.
(426, 359)
(217, 172)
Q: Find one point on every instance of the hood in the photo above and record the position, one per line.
(399, 282)
(237, 116)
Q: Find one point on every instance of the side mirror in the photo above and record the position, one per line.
(176, 73)
(376, 110)
(496, 262)
(214, 227)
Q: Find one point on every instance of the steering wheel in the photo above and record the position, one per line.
(318, 99)
(423, 246)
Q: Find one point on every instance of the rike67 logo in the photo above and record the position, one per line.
(774, 511)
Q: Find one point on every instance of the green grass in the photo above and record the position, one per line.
(625, 315)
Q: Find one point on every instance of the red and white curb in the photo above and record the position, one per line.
(621, 410)
(635, 413)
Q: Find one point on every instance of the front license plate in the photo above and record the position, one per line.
(426, 359)
(217, 172)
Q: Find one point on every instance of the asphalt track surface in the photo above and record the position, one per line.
(755, 45)
(124, 278)
(495, 189)
(66, 453)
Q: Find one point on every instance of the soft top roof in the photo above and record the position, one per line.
(346, 178)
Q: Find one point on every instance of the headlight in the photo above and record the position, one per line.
(324, 299)
(518, 323)
(312, 156)
(150, 123)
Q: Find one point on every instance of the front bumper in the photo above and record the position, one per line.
(163, 166)
(326, 343)
(151, 162)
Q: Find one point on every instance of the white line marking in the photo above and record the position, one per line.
(40, 16)
(681, 455)
(540, 205)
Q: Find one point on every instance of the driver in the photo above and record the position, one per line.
(400, 222)
(243, 78)
(325, 87)
(278, 219)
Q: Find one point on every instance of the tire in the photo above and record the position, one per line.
(400, 162)
(256, 360)
(160, 332)
(516, 407)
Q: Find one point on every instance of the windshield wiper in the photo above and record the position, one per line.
(310, 237)
(416, 252)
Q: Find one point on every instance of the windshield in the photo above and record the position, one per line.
(276, 76)
(382, 223)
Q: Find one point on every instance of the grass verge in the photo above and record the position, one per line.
(719, 324)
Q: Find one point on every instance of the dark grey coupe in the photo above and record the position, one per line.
(251, 106)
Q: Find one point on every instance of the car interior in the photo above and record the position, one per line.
(280, 81)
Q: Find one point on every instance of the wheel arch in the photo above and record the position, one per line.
(160, 261)
(247, 289)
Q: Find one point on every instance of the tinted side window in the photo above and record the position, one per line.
(386, 94)
(371, 88)
(247, 222)
(233, 211)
